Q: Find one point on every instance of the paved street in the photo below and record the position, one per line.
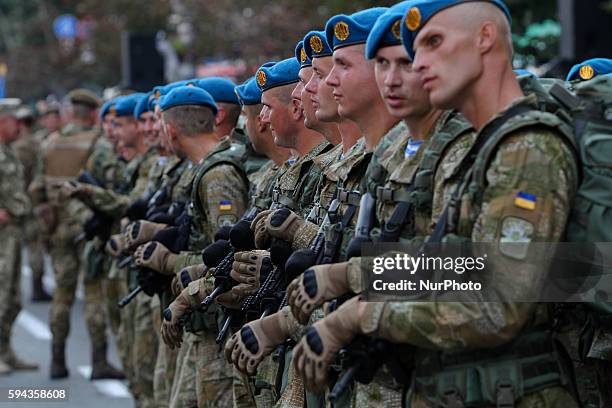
(32, 341)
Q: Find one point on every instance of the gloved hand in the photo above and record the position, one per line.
(258, 226)
(247, 269)
(257, 339)
(314, 287)
(152, 282)
(115, 245)
(155, 256)
(141, 231)
(187, 300)
(315, 352)
(287, 225)
(185, 276)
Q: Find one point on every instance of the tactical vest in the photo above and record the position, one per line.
(417, 195)
(234, 156)
(534, 360)
(302, 196)
(66, 154)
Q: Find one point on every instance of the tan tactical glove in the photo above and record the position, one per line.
(115, 245)
(247, 269)
(315, 352)
(187, 300)
(185, 276)
(288, 226)
(314, 287)
(257, 339)
(258, 226)
(155, 256)
(141, 231)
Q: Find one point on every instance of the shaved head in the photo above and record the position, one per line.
(464, 55)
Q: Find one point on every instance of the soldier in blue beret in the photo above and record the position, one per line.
(462, 51)
(218, 199)
(589, 69)
(284, 115)
(328, 130)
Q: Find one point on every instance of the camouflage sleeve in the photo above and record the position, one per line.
(13, 197)
(444, 183)
(223, 195)
(535, 163)
(36, 189)
(106, 201)
(143, 177)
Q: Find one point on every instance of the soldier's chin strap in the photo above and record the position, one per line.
(448, 215)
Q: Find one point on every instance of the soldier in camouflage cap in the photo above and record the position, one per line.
(14, 206)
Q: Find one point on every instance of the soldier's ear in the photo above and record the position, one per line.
(295, 110)
(221, 115)
(260, 126)
(487, 37)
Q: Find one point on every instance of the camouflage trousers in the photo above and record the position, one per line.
(144, 352)
(36, 248)
(66, 257)
(165, 364)
(125, 344)
(137, 344)
(203, 377)
(292, 390)
(551, 397)
(10, 273)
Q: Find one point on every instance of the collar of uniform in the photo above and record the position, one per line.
(291, 177)
(72, 128)
(223, 144)
(324, 160)
(340, 169)
(530, 100)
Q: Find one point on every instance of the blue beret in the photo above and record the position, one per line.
(301, 57)
(143, 105)
(524, 72)
(105, 109)
(187, 95)
(221, 89)
(343, 30)
(422, 10)
(284, 72)
(249, 93)
(125, 105)
(161, 90)
(386, 31)
(590, 68)
(316, 45)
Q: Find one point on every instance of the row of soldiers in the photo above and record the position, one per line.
(404, 124)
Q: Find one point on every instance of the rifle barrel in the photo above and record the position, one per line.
(129, 297)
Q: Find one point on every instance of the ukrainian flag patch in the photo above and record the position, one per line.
(225, 205)
(525, 200)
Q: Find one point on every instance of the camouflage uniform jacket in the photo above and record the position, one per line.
(13, 197)
(531, 159)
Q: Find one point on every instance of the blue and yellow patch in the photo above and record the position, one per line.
(525, 200)
(225, 205)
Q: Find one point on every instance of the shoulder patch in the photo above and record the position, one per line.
(514, 232)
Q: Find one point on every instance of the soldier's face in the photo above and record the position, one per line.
(52, 122)
(147, 125)
(400, 86)
(299, 93)
(352, 78)
(126, 129)
(278, 118)
(326, 108)
(109, 131)
(255, 130)
(448, 60)
(10, 128)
